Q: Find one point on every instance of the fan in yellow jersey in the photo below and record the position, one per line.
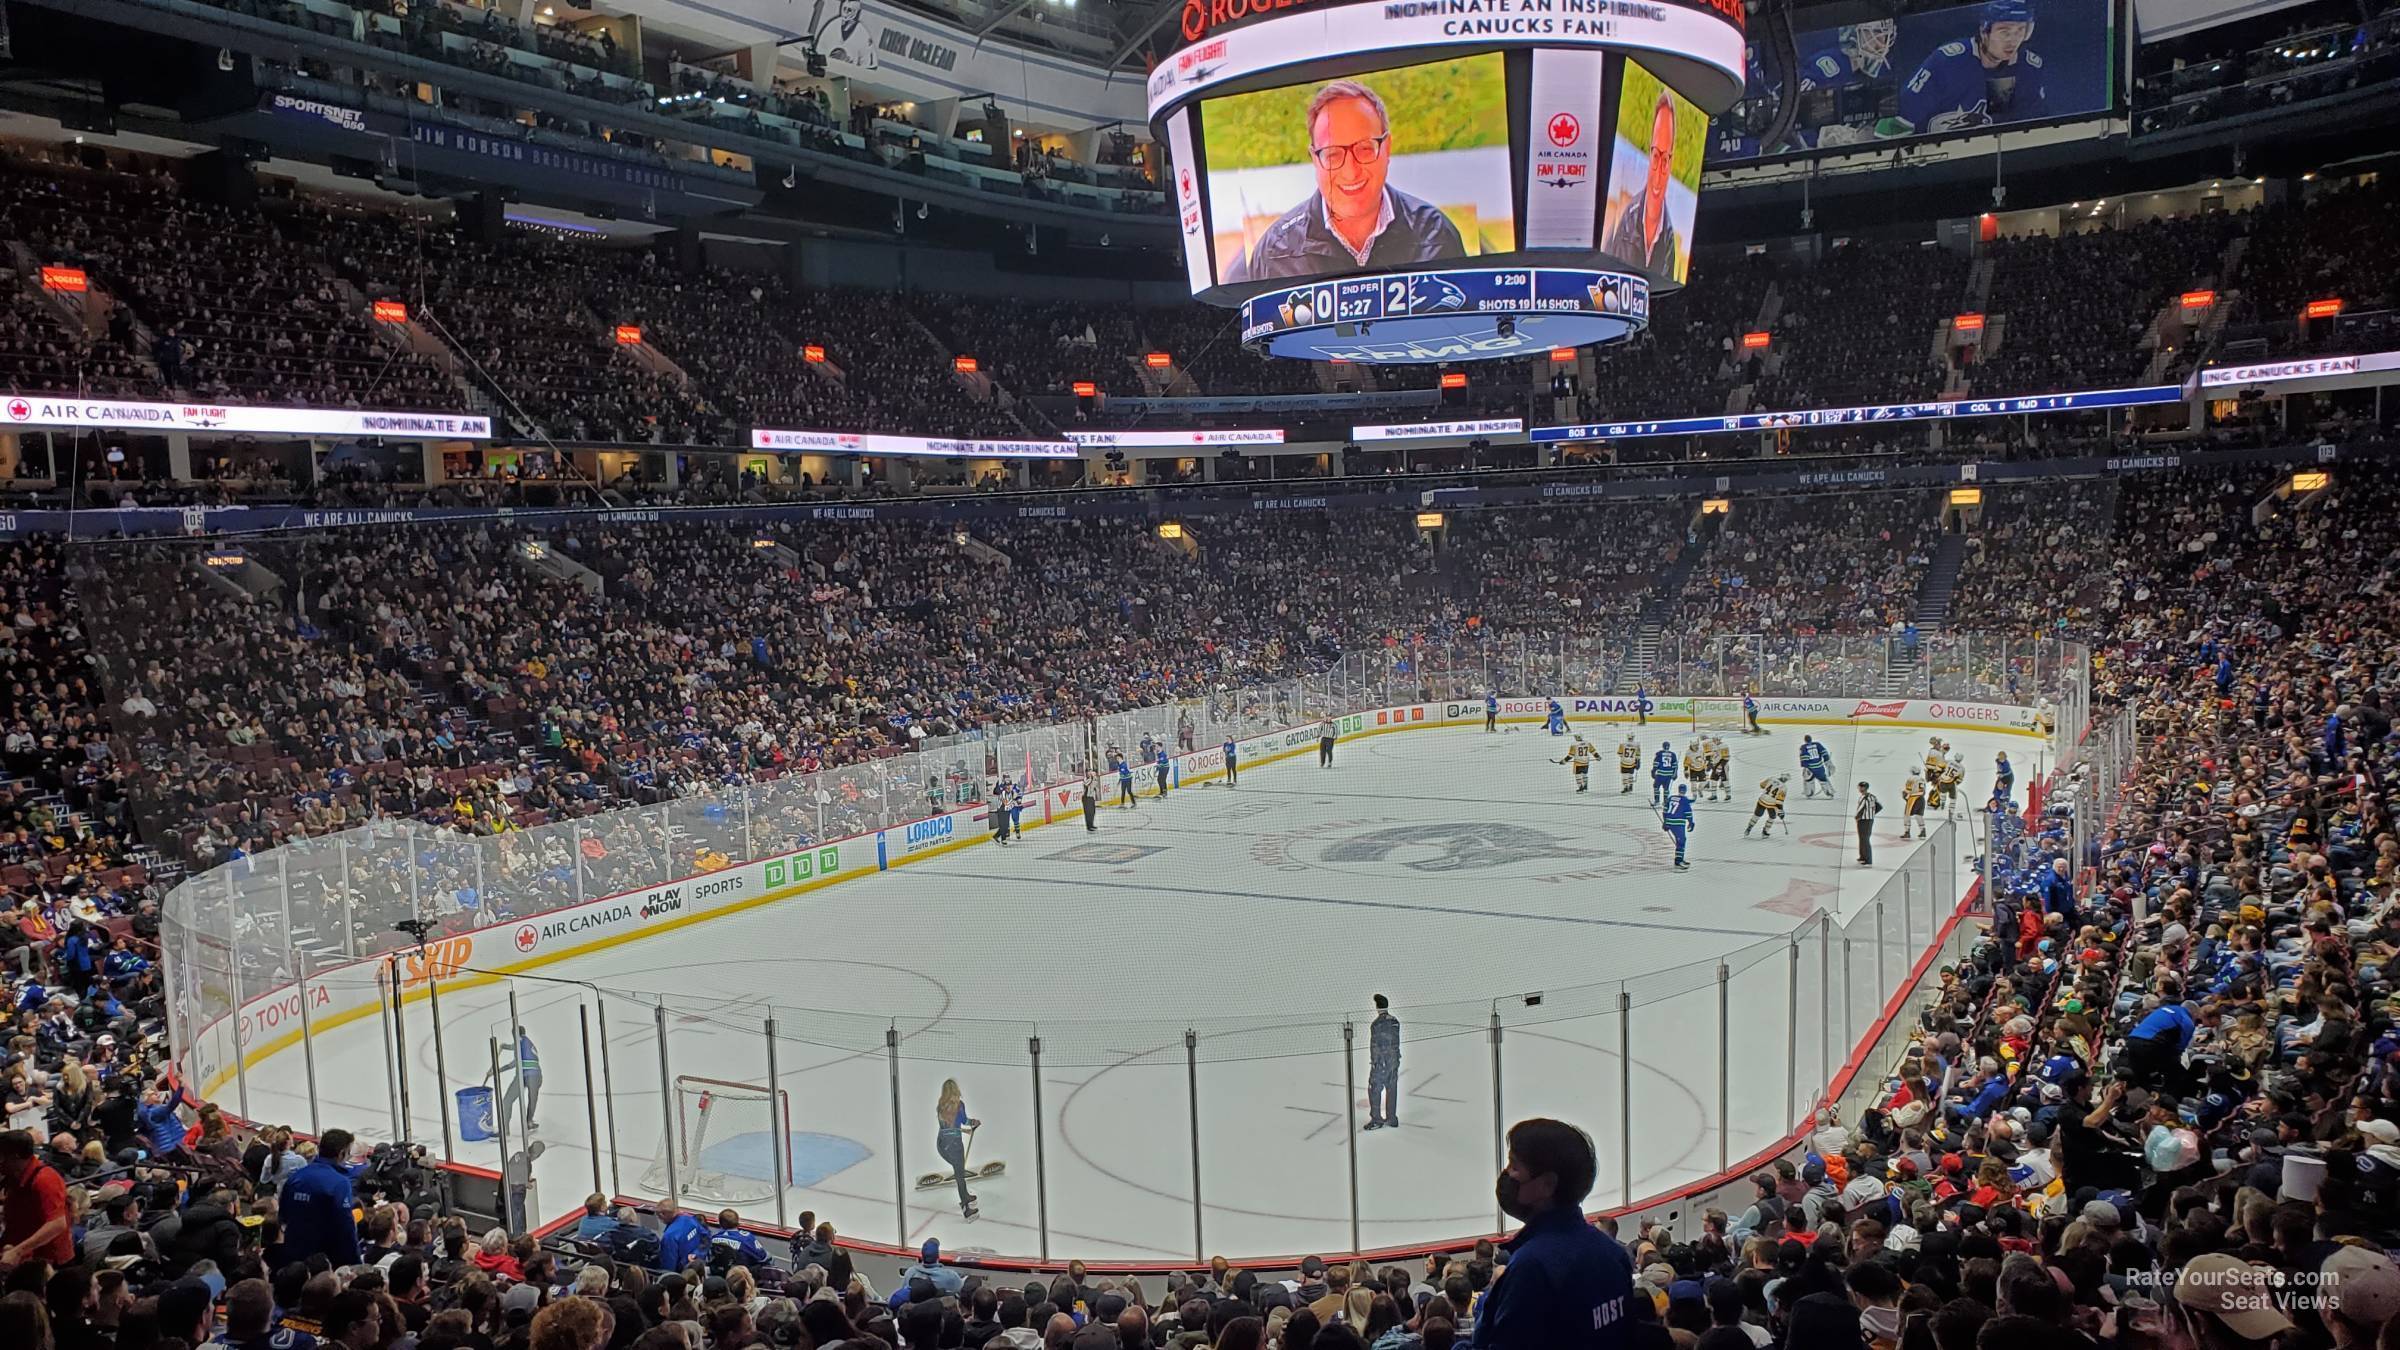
(1769, 808)
(1912, 804)
(1579, 756)
(1629, 760)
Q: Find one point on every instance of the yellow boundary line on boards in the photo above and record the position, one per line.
(283, 1041)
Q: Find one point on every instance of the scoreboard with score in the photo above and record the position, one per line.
(1458, 314)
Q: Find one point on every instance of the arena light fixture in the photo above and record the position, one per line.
(964, 365)
(2199, 299)
(1560, 356)
(629, 335)
(1170, 529)
(2328, 308)
(65, 279)
(390, 311)
(1086, 389)
(1966, 496)
(813, 353)
(1158, 360)
(1456, 379)
(2311, 480)
(1752, 342)
(1967, 323)
(1717, 506)
(1429, 520)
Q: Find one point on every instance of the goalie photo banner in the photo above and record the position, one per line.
(1939, 73)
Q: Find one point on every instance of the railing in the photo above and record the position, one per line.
(1156, 1136)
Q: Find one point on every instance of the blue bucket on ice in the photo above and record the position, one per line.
(475, 1115)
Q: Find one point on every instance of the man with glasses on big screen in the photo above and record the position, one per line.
(1354, 219)
(1644, 236)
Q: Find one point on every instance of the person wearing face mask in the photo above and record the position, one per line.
(1567, 1283)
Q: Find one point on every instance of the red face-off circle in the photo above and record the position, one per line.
(1564, 129)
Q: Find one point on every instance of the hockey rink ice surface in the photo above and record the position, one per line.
(1447, 869)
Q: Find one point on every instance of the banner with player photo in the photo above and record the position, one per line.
(1939, 73)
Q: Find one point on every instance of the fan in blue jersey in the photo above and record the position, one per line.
(1843, 86)
(1974, 82)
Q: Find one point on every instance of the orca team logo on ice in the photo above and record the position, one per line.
(1865, 709)
(1458, 845)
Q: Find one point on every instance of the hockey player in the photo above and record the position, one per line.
(1750, 714)
(1912, 804)
(1700, 770)
(1663, 767)
(1954, 778)
(2004, 778)
(1558, 719)
(1720, 764)
(1629, 760)
(1491, 710)
(1768, 812)
(1974, 82)
(1816, 768)
(1937, 768)
(1579, 757)
(1842, 87)
(1678, 822)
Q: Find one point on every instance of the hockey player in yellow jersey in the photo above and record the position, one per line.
(1935, 767)
(1768, 813)
(1954, 778)
(1719, 758)
(1579, 757)
(1629, 760)
(1912, 804)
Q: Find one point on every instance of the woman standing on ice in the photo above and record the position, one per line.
(951, 1143)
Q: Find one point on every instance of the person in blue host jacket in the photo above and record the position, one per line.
(1162, 771)
(1567, 1282)
(316, 1203)
(682, 1238)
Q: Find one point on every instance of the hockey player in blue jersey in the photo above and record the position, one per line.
(2004, 776)
(1750, 714)
(1677, 821)
(1663, 768)
(1816, 768)
(1842, 87)
(1558, 719)
(1974, 82)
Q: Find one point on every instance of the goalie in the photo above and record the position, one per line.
(1768, 813)
(1579, 757)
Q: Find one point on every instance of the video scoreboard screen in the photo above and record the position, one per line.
(1325, 138)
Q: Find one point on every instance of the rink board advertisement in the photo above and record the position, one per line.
(271, 1021)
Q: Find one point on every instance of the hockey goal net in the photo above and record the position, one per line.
(1718, 714)
(715, 1119)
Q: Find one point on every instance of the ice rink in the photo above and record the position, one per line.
(1454, 870)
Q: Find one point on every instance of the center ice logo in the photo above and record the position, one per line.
(1465, 846)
